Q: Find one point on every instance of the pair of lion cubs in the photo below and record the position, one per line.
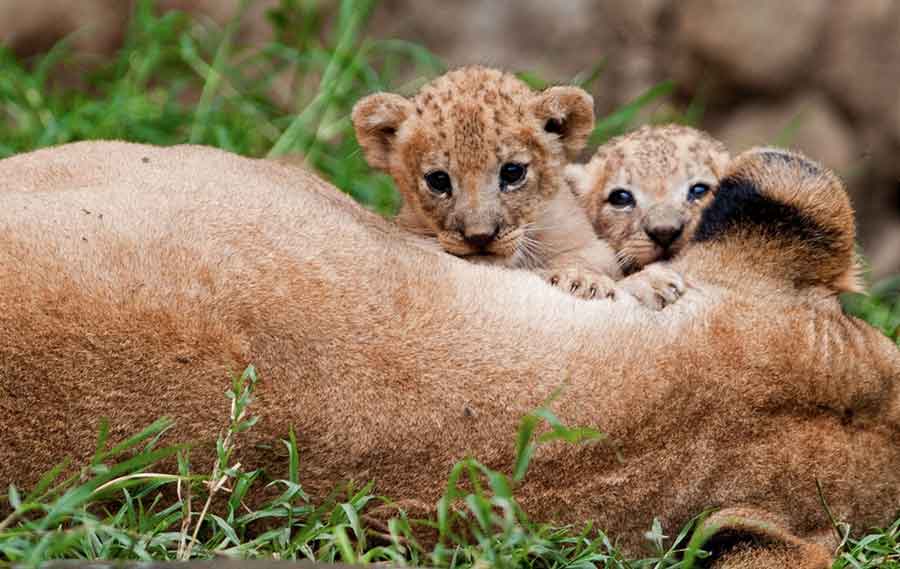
(482, 163)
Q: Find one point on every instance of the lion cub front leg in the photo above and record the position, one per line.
(589, 272)
(588, 267)
(581, 282)
(575, 260)
(655, 286)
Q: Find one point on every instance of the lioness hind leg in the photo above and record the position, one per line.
(747, 538)
(807, 556)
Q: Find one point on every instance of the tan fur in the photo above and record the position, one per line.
(135, 280)
(833, 263)
(658, 165)
(468, 123)
(748, 538)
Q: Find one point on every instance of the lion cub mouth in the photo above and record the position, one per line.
(502, 250)
(482, 257)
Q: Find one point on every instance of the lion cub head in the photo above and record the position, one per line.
(476, 155)
(644, 191)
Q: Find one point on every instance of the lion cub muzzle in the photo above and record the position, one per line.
(477, 220)
(480, 236)
(664, 227)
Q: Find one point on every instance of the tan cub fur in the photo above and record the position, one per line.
(135, 280)
(667, 175)
(479, 160)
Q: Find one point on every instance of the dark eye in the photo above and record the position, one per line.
(697, 191)
(512, 173)
(620, 198)
(439, 182)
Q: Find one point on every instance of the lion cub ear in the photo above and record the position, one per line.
(578, 179)
(567, 112)
(719, 159)
(376, 120)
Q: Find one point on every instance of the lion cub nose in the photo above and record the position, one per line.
(665, 235)
(481, 236)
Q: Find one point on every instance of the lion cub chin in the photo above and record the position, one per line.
(645, 191)
(479, 160)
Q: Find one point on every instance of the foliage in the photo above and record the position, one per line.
(880, 307)
(175, 81)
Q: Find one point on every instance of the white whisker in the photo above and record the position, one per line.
(529, 252)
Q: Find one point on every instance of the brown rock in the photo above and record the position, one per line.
(532, 35)
(99, 25)
(884, 253)
(808, 123)
(642, 16)
(862, 56)
(555, 40)
(750, 41)
(32, 27)
(254, 27)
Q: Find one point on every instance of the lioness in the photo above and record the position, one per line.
(478, 158)
(137, 279)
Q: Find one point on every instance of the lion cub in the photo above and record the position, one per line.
(479, 160)
(645, 191)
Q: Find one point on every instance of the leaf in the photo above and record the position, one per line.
(15, 500)
(102, 435)
(293, 458)
(226, 529)
(499, 484)
(246, 425)
(353, 520)
(524, 446)
(158, 426)
(46, 480)
(618, 122)
(656, 536)
(343, 545)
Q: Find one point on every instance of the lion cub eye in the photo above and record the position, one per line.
(697, 191)
(439, 182)
(512, 174)
(620, 198)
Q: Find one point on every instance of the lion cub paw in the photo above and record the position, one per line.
(655, 286)
(584, 284)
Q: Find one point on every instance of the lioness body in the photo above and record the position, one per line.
(136, 279)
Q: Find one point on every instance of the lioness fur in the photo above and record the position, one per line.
(135, 280)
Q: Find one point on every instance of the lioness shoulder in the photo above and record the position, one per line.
(479, 160)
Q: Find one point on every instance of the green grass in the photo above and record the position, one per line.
(880, 307)
(118, 510)
(122, 506)
(177, 81)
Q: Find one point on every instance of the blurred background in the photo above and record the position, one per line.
(819, 76)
